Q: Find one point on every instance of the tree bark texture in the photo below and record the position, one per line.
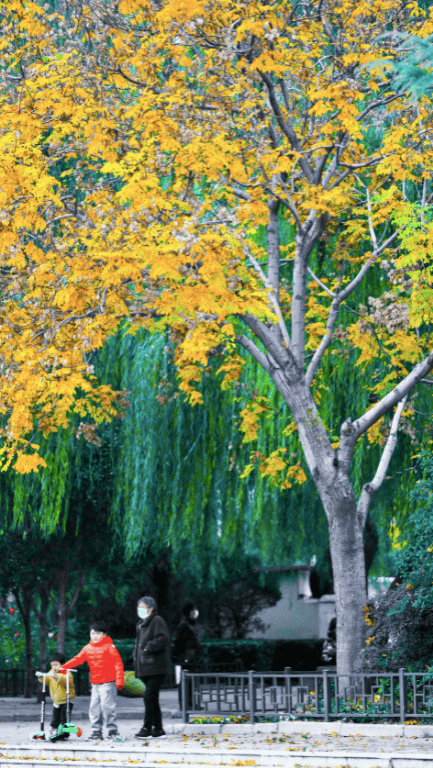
(62, 578)
(23, 598)
(348, 563)
(44, 590)
(63, 609)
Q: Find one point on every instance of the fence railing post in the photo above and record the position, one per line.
(325, 695)
(251, 693)
(288, 689)
(183, 683)
(402, 681)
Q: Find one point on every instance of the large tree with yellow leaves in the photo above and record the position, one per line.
(232, 170)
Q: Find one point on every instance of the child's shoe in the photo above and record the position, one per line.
(114, 736)
(143, 733)
(95, 737)
(157, 734)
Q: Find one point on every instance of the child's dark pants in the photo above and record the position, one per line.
(59, 715)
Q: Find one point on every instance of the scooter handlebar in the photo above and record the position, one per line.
(45, 674)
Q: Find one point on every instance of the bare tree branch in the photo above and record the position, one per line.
(324, 344)
(350, 432)
(285, 126)
(271, 295)
(81, 580)
(322, 285)
(273, 248)
(370, 489)
(253, 349)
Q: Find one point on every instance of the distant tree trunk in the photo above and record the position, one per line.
(44, 590)
(61, 579)
(24, 603)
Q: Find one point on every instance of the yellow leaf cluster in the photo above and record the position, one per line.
(138, 163)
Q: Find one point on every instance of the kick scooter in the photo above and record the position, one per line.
(41, 733)
(64, 730)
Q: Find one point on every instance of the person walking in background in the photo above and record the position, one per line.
(57, 687)
(186, 647)
(329, 651)
(106, 676)
(151, 656)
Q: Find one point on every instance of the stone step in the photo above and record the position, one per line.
(171, 756)
(300, 760)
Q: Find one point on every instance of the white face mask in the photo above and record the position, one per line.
(194, 614)
(143, 613)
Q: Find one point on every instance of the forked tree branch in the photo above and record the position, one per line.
(272, 295)
(351, 432)
(371, 488)
(81, 580)
(324, 344)
(338, 298)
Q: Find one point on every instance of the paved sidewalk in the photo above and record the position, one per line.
(287, 737)
(291, 743)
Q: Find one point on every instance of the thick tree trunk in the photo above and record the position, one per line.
(331, 475)
(348, 563)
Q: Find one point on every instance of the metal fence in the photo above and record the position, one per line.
(398, 696)
(12, 682)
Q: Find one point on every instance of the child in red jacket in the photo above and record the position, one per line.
(106, 675)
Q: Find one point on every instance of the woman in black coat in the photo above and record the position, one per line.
(151, 656)
(187, 644)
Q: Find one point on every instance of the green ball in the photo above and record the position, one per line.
(134, 687)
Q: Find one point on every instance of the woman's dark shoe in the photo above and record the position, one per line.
(157, 734)
(143, 733)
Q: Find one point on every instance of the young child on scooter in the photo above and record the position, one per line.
(106, 675)
(56, 682)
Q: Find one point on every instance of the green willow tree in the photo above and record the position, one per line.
(168, 475)
(178, 469)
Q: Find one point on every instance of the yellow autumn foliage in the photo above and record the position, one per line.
(138, 163)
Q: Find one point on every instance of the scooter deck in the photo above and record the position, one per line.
(57, 737)
(65, 730)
